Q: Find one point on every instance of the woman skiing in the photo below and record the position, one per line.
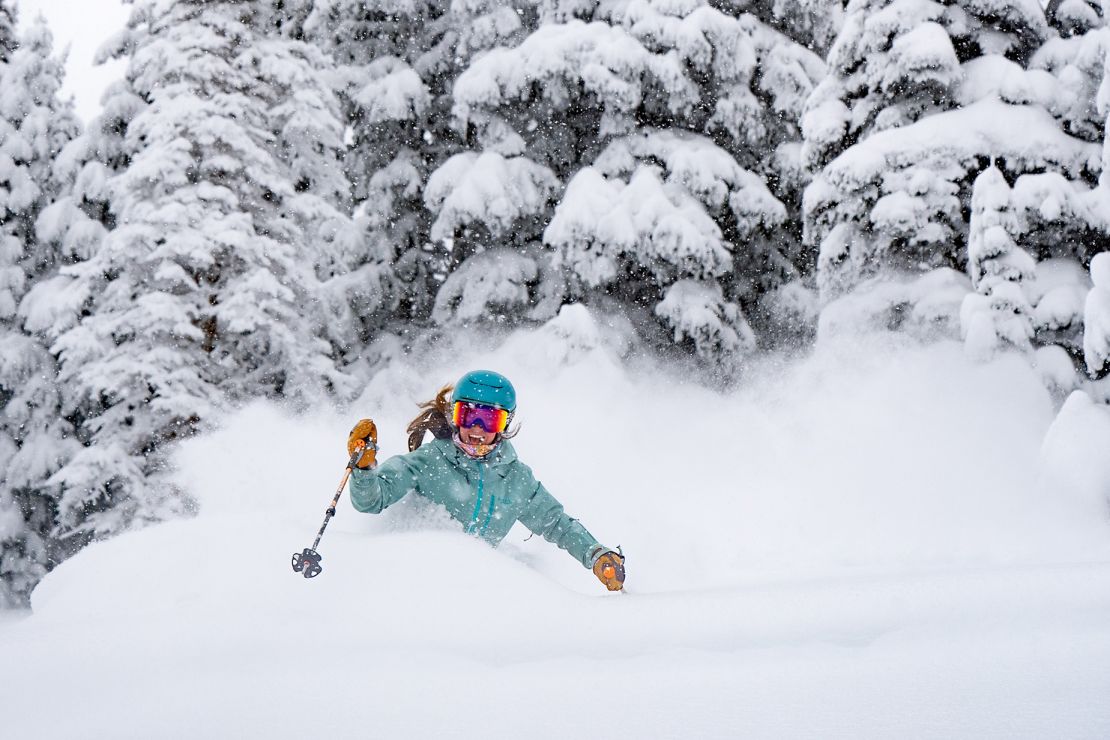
(472, 470)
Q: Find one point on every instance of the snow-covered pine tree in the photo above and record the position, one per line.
(1096, 338)
(9, 39)
(812, 23)
(226, 195)
(1094, 49)
(34, 435)
(667, 123)
(397, 65)
(1074, 17)
(999, 311)
(922, 96)
(289, 17)
(1062, 217)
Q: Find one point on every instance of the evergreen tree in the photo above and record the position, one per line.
(683, 107)
(8, 36)
(397, 66)
(1096, 338)
(226, 198)
(34, 435)
(1074, 17)
(912, 113)
(1094, 50)
(812, 23)
(1060, 215)
(999, 311)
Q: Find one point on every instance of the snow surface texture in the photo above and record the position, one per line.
(878, 541)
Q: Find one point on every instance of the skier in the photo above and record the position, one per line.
(472, 470)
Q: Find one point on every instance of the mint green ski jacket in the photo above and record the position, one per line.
(487, 496)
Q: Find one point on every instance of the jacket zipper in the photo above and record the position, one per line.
(478, 501)
(489, 515)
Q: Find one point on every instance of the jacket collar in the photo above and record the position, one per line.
(503, 454)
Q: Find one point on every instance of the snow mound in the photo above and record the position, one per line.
(877, 539)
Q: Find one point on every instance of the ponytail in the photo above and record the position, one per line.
(434, 418)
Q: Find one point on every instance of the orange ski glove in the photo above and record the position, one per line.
(609, 569)
(367, 433)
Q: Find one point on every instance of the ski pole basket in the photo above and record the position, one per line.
(307, 563)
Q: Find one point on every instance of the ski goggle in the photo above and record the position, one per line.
(465, 415)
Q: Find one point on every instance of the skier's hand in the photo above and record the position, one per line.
(365, 431)
(609, 569)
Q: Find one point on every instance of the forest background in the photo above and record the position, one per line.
(279, 200)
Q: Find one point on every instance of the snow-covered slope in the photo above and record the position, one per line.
(879, 541)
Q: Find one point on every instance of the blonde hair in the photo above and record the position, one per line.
(435, 417)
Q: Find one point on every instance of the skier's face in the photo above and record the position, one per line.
(476, 435)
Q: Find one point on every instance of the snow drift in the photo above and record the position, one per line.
(879, 540)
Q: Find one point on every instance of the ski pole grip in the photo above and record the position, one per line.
(360, 449)
(357, 455)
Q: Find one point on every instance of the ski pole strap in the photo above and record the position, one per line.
(614, 568)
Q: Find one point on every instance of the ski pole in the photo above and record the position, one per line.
(307, 562)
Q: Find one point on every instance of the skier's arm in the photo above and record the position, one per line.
(375, 489)
(545, 516)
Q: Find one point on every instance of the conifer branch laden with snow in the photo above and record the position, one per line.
(899, 131)
(666, 123)
(999, 312)
(35, 435)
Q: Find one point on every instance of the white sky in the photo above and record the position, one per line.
(83, 25)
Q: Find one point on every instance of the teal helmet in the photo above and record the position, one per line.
(486, 387)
